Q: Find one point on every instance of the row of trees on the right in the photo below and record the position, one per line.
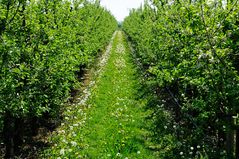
(189, 51)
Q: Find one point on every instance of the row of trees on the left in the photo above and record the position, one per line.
(44, 44)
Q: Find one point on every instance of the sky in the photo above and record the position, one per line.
(120, 8)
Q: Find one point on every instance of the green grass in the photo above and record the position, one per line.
(113, 125)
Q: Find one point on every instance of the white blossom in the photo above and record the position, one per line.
(73, 143)
(62, 152)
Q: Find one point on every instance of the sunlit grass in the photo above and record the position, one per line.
(113, 126)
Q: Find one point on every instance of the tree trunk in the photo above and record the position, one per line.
(34, 126)
(237, 143)
(18, 136)
(230, 138)
(8, 135)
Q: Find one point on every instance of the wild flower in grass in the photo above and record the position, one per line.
(75, 125)
(61, 131)
(118, 154)
(74, 134)
(181, 153)
(62, 152)
(138, 152)
(73, 143)
(64, 141)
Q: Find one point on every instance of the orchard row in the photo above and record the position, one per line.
(189, 54)
(44, 46)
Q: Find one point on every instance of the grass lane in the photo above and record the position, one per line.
(113, 125)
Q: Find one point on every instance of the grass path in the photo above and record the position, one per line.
(110, 124)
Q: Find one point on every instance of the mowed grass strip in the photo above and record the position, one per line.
(113, 125)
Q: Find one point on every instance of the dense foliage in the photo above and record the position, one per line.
(44, 44)
(189, 53)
